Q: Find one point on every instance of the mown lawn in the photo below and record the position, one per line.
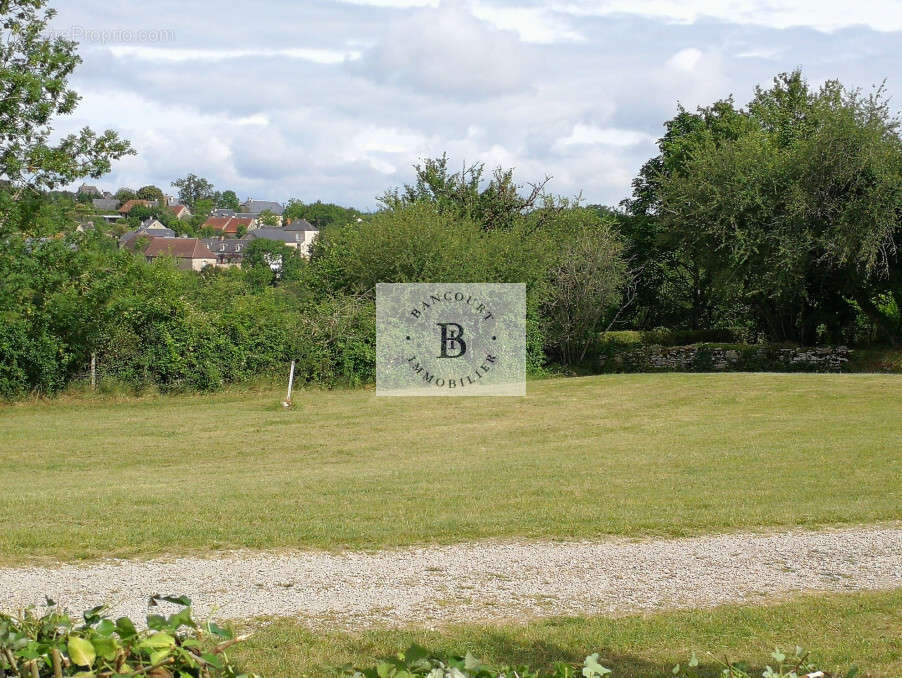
(840, 631)
(668, 454)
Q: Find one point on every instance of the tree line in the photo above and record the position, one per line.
(778, 220)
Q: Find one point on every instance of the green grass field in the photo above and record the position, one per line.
(840, 631)
(667, 454)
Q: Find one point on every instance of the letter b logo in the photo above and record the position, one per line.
(452, 339)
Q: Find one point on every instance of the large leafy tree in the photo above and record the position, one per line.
(799, 215)
(36, 336)
(494, 203)
(228, 200)
(34, 73)
(677, 282)
(125, 194)
(321, 214)
(192, 189)
(150, 192)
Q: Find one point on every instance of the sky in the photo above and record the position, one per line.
(336, 99)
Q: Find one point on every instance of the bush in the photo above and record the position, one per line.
(417, 661)
(54, 645)
(667, 337)
(152, 325)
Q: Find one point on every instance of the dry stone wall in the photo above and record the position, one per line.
(712, 358)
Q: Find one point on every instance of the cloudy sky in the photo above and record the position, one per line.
(335, 99)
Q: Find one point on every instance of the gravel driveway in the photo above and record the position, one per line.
(480, 581)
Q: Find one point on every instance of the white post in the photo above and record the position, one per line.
(287, 402)
(93, 371)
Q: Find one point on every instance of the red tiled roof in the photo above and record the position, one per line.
(228, 225)
(181, 248)
(127, 207)
(178, 209)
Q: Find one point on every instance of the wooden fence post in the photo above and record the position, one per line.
(287, 402)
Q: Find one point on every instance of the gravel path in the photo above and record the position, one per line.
(484, 580)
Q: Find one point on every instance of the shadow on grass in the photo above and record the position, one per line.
(504, 649)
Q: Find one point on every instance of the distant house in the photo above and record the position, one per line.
(105, 204)
(300, 225)
(260, 206)
(156, 228)
(229, 252)
(128, 205)
(149, 228)
(222, 212)
(190, 254)
(181, 211)
(299, 238)
(129, 239)
(87, 189)
(309, 231)
(229, 226)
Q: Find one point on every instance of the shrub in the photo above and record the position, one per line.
(55, 645)
(417, 661)
(667, 337)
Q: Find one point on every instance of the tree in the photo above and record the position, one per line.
(34, 73)
(586, 284)
(193, 188)
(150, 193)
(497, 204)
(35, 346)
(677, 286)
(125, 194)
(284, 262)
(268, 218)
(320, 214)
(164, 215)
(201, 212)
(798, 216)
(203, 208)
(228, 200)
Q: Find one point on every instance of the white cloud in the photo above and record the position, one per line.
(448, 50)
(175, 55)
(823, 15)
(395, 4)
(692, 76)
(769, 54)
(685, 60)
(532, 24)
(583, 134)
(339, 108)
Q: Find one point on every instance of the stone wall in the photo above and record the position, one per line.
(713, 358)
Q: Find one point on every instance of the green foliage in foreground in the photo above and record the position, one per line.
(417, 661)
(55, 644)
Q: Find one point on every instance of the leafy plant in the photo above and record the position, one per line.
(417, 661)
(55, 644)
(796, 665)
